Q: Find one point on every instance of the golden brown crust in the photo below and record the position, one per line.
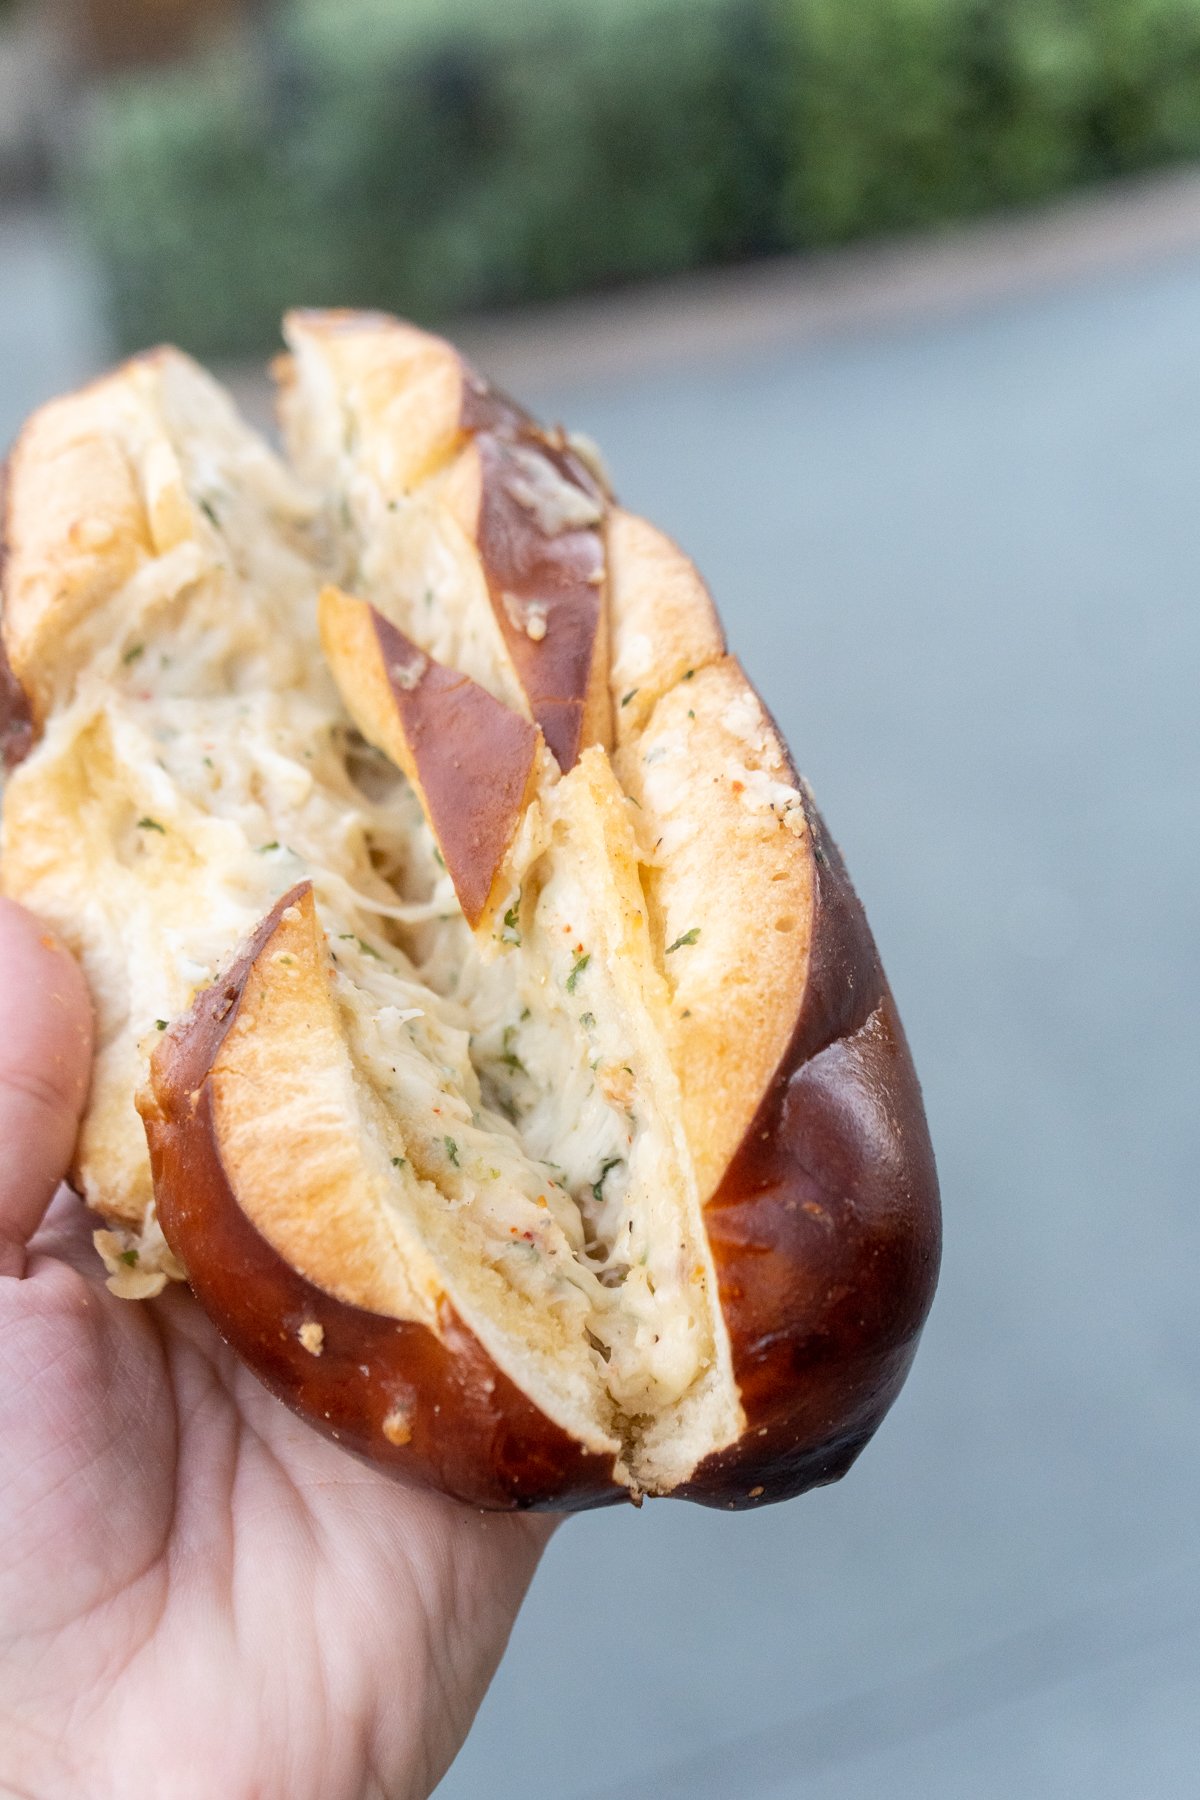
(92, 497)
(279, 1115)
(663, 621)
(17, 722)
(729, 878)
(16, 714)
(471, 760)
(800, 1104)
(419, 1397)
(400, 387)
(826, 1229)
(546, 578)
(16, 717)
(527, 503)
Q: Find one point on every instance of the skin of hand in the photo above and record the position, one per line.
(198, 1595)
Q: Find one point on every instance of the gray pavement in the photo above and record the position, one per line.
(51, 335)
(961, 559)
(962, 562)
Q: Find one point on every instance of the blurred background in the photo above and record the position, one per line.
(889, 310)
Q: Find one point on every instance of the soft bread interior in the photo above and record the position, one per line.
(334, 1156)
(731, 930)
(507, 1106)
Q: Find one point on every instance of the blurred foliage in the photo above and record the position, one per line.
(439, 155)
(910, 112)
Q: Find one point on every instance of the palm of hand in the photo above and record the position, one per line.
(198, 1595)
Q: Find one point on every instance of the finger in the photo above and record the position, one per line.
(45, 1061)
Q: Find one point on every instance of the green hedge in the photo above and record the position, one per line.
(437, 155)
(912, 112)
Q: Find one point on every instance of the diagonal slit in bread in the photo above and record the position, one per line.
(413, 1112)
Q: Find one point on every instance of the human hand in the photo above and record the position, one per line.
(198, 1595)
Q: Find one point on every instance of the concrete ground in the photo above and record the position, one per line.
(958, 547)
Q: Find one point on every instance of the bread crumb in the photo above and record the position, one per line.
(409, 675)
(556, 504)
(396, 1426)
(312, 1336)
(139, 1264)
(535, 622)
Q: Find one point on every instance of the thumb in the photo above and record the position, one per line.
(45, 1059)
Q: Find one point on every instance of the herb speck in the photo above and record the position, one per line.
(614, 1162)
(348, 937)
(688, 937)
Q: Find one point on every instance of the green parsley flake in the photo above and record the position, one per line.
(581, 964)
(129, 1258)
(160, 1024)
(626, 698)
(151, 825)
(588, 1021)
(614, 1162)
(263, 848)
(348, 937)
(397, 1162)
(511, 933)
(451, 1150)
(689, 937)
(132, 654)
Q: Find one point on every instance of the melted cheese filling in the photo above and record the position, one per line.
(520, 1089)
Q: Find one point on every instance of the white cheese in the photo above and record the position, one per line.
(521, 1080)
(555, 503)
